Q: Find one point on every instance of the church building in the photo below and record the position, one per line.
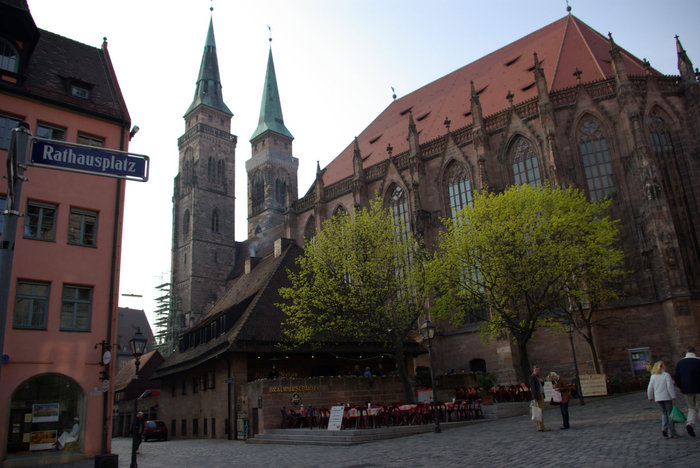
(564, 105)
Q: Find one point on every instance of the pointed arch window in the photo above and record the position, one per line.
(526, 169)
(215, 221)
(220, 171)
(596, 160)
(280, 191)
(459, 189)
(660, 136)
(186, 225)
(399, 209)
(257, 193)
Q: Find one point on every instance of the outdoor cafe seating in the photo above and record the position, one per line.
(375, 416)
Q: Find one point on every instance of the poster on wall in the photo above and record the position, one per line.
(42, 440)
(44, 412)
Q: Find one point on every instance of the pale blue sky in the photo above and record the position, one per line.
(335, 61)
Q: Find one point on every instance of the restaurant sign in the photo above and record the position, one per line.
(88, 159)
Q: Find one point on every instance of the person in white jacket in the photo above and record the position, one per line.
(661, 389)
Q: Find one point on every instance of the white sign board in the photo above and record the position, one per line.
(593, 385)
(548, 390)
(335, 421)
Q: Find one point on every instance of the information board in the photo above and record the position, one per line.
(593, 385)
(335, 421)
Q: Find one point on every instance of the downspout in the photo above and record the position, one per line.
(110, 310)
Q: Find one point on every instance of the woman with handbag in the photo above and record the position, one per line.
(561, 395)
(661, 389)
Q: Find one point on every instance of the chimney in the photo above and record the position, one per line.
(250, 264)
(281, 244)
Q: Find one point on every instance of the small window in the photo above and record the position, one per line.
(50, 132)
(9, 57)
(90, 140)
(82, 227)
(183, 428)
(173, 426)
(195, 422)
(184, 387)
(195, 384)
(6, 125)
(40, 221)
(31, 305)
(76, 307)
(79, 91)
(204, 426)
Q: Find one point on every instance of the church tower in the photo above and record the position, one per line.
(272, 170)
(203, 199)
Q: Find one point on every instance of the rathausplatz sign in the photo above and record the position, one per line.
(88, 159)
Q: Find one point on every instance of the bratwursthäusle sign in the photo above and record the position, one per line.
(88, 159)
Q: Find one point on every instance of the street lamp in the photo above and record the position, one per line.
(138, 345)
(427, 330)
(570, 323)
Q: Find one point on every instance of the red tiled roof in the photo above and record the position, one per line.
(561, 47)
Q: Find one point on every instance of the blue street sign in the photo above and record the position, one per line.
(88, 159)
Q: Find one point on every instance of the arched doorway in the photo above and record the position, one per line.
(42, 408)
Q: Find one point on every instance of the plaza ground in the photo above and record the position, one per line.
(620, 431)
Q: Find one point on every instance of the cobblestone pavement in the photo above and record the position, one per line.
(621, 431)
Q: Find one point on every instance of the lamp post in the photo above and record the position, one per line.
(570, 323)
(138, 345)
(427, 330)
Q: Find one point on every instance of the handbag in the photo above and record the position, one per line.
(677, 415)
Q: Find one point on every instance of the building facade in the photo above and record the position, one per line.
(563, 105)
(64, 279)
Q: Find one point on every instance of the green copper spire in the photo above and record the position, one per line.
(208, 90)
(271, 109)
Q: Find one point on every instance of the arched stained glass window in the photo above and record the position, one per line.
(526, 169)
(257, 194)
(659, 134)
(459, 189)
(596, 161)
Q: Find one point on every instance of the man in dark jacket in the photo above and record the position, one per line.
(537, 396)
(687, 378)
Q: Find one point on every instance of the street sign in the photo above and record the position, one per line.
(88, 159)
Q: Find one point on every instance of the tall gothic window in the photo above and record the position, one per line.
(215, 221)
(399, 208)
(257, 194)
(186, 225)
(280, 190)
(220, 171)
(459, 189)
(596, 160)
(526, 169)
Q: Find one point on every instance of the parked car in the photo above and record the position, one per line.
(155, 430)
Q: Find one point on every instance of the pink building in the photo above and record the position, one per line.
(62, 299)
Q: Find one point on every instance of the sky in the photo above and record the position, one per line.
(336, 62)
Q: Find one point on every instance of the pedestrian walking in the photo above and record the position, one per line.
(537, 404)
(687, 378)
(137, 431)
(661, 389)
(561, 386)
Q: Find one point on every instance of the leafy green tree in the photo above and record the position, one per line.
(517, 253)
(361, 279)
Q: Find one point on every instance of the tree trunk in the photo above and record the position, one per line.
(591, 344)
(525, 369)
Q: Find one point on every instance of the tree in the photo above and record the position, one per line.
(361, 279)
(514, 253)
(166, 330)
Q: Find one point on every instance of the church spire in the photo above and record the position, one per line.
(208, 90)
(271, 108)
